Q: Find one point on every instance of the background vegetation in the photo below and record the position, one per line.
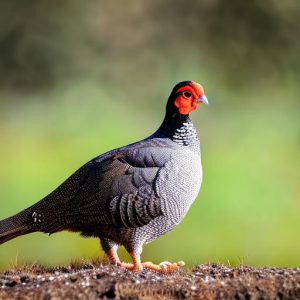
(79, 78)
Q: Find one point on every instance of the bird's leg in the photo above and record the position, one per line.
(113, 256)
(115, 260)
(110, 248)
(136, 258)
(136, 265)
(111, 252)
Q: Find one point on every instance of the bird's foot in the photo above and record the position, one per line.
(163, 267)
(131, 267)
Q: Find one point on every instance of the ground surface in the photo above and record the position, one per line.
(94, 281)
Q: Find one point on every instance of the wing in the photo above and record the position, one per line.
(117, 188)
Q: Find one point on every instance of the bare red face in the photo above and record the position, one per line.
(189, 97)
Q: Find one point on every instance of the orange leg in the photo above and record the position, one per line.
(114, 259)
(136, 265)
(113, 256)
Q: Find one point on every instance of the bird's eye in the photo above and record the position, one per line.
(187, 94)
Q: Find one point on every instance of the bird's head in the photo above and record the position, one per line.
(185, 97)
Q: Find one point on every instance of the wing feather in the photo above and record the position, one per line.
(117, 188)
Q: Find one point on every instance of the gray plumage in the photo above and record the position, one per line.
(128, 196)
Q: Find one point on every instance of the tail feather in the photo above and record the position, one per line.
(30, 220)
(13, 227)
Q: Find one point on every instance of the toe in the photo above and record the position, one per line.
(163, 267)
(127, 266)
(147, 264)
(167, 267)
(131, 267)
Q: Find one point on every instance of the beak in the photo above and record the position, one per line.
(203, 99)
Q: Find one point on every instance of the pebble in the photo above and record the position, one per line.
(24, 278)
(11, 283)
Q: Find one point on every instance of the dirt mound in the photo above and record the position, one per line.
(97, 281)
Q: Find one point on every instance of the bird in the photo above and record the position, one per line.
(131, 195)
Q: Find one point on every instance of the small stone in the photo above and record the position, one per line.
(11, 283)
(73, 278)
(24, 278)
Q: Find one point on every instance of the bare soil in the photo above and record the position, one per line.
(102, 281)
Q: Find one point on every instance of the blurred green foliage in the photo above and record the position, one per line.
(80, 78)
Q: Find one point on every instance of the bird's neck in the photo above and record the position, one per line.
(180, 129)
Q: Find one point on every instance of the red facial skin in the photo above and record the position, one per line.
(187, 104)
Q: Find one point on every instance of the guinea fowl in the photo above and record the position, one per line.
(131, 195)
